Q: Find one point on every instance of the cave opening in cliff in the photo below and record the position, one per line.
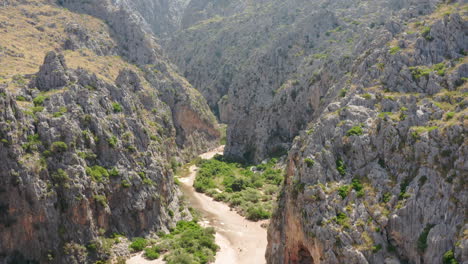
(304, 256)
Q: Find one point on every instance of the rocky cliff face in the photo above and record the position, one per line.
(258, 63)
(163, 17)
(380, 175)
(90, 132)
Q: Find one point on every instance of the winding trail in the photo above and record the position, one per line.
(241, 241)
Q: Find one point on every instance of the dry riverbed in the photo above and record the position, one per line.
(241, 241)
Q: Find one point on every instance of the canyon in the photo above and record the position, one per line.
(364, 104)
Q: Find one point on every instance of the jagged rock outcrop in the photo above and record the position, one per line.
(380, 175)
(78, 37)
(89, 156)
(133, 35)
(139, 46)
(52, 74)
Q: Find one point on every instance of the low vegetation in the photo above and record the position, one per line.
(354, 131)
(251, 190)
(100, 174)
(422, 240)
(340, 167)
(188, 242)
(117, 108)
(449, 258)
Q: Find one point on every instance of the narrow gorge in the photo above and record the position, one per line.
(244, 132)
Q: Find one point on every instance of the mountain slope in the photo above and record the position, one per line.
(93, 122)
(380, 176)
(270, 67)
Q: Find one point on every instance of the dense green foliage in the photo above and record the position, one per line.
(97, 173)
(60, 177)
(354, 131)
(39, 100)
(449, 258)
(187, 243)
(358, 187)
(341, 167)
(343, 191)
(138, 244)
(309, 162)
(117, 107)
(112, 141)
(58, 147)
(422, 240)
(250, 189)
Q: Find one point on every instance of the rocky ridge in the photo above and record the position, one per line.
(91, 135)
(380, 175)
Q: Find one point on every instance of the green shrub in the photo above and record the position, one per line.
(354, 131)
(386, 197)
(394, 50)
(341, 167)
(449, 258)
(112, 141)
(87, 155)
(358, 187)
(449, 115)
(341, 219)
(426, 33)
(39, 100)
(190, 241)
(309, 162)
(343, 191)
(33, 143)
(147, 181)
(419, 72)
(125, 184)
(21, 98)
(117, 107)
(422, 240)
(101, 199)
(256, 213)
(60, 177)
(97, 173)
(152, 252)
(58, 147)
(37, 109)
(138, 244)
(251, 195)
(376, 248)
(367, 96)
(114, 172)
(439, 68)
(61, 111)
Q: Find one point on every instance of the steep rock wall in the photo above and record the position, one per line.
(380, 176)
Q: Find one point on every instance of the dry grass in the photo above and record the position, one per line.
(31, 32)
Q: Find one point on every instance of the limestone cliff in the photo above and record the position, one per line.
(93, 122)
(380, 175)
(266, 67)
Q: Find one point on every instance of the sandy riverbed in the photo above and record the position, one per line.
(241, 241)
